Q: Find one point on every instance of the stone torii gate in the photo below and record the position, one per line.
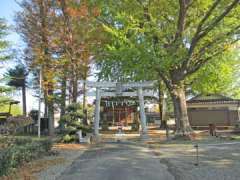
(120, 91)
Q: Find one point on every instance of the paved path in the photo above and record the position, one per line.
(117, 161)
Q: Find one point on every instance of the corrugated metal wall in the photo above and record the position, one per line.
(204, 117)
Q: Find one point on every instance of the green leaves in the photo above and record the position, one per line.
(72, 122)
(4, 44)
(219, 77)
(21, 150)
(16, 76)
(146, 35)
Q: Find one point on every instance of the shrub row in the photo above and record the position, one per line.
(20, 151)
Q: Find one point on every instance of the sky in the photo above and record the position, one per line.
(7, 11)
(8, 8)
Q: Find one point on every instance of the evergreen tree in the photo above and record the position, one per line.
(17, 77)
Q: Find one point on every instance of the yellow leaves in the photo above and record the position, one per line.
(228, 46)
(110, 30)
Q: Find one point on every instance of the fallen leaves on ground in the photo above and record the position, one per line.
(62, 146)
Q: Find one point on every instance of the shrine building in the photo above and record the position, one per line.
(124, 111)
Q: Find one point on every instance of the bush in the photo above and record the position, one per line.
(67, 138)
(21, 140)
(46, 144)
(22, 150)
(15, 122)
(72, 122)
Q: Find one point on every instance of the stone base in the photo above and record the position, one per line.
(184, 136)
(96, 139)
(144, 137)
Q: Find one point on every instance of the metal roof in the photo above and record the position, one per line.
(213, 98)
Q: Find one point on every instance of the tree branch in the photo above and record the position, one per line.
(168, 82)
(189, 4)
(200, 32)
(199, 28)
(201, 62)
(218, 19)
(218, 39)
(181, 19)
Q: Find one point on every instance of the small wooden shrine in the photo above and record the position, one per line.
(119, 110)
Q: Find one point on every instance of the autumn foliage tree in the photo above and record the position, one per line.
(34, 23)
(59, 36)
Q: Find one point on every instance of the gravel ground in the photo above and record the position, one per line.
(52, 172)
(218, 160)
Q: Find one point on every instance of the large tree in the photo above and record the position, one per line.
(173, 39)
(35, 25)
(59, 37)
(78, 36)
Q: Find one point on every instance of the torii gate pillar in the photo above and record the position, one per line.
(142, 113)
(97, 112)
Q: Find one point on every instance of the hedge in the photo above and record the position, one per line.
(20, 151)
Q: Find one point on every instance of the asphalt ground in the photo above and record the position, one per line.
(117, 161)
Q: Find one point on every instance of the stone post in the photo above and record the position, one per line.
(142, 112)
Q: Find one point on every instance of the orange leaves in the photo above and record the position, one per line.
(83, 11)
(77, 12)
(62, 37)
(96, 12)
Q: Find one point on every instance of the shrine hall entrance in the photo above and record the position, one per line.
(119, 112)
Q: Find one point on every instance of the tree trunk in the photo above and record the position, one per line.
(50, 113)
(84, 104)
(63, 100)
(24, 100)
(160, 101)
(70, 91)
(47, 64)
(183, 127)
(75, 89)
(162, 105)
(63, 96)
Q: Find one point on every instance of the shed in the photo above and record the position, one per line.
(213, 109)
